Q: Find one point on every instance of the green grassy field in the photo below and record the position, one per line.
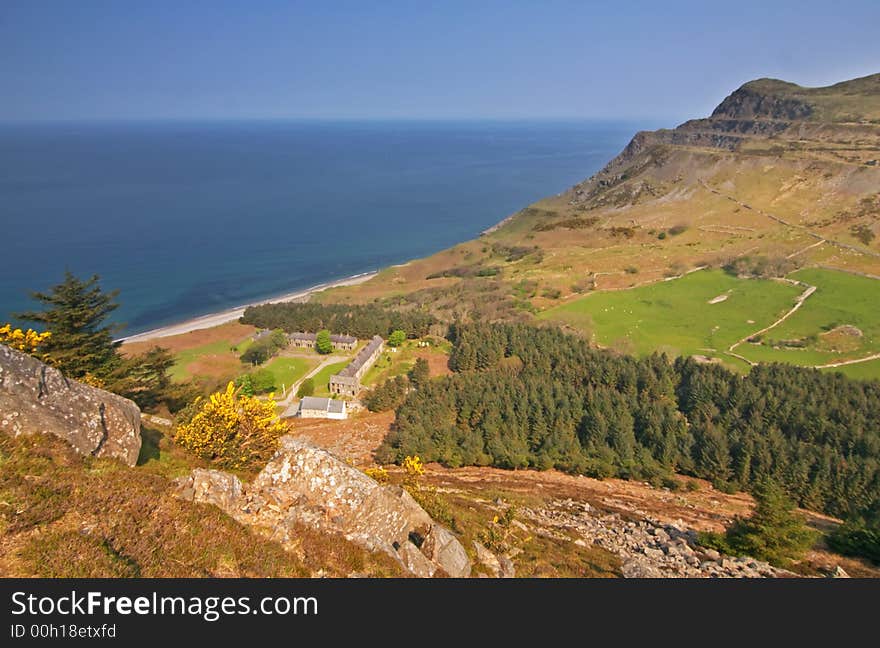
(288, 370)
(841, 299)
(676, 316)
(388, 365)
(183, 359)
(322, 378)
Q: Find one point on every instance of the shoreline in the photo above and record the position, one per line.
(215, 319)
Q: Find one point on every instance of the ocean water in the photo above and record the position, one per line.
(187, 219)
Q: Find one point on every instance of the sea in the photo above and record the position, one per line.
(187, 219)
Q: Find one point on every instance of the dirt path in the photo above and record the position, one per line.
(287, 400)
(848, 362)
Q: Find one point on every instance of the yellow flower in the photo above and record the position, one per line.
(27, 341)
(414, 466)
(232, 429)
(379, 474)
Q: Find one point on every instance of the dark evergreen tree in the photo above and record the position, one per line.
(419, 374)
(775, 532)
(76, 313)
(522, 395)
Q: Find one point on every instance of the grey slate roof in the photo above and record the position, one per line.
(362, 356)
(326, 404)
(338, 339)
(339, 379)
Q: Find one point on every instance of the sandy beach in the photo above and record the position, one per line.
(232, 314)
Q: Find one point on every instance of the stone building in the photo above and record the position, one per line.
(300, 339)
(313, 407)
(348, 381)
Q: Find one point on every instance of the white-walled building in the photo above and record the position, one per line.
(314, 407)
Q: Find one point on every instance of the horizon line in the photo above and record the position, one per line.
(313, 119)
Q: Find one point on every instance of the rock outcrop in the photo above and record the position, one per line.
(764, 99)
(647, 548)
(306, 484)
(35, 398)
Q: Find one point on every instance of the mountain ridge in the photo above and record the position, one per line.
(777, 171)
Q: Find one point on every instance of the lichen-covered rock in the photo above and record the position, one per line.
(305, 484)
(441, 546)
(213, 487)
(35, 398)
(415, 561)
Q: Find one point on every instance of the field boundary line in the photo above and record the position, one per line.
(845, 246)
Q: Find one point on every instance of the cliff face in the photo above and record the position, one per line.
(752, 101)
(834, 124)
(37, 399)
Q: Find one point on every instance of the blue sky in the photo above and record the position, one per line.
(120, 59)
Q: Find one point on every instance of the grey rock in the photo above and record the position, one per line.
(487, 559)
(838, 573)
(442, 547)
(415, 561)
(305, 484)
(508, 570)
(38, 399)
(215, 487)
(661, 535)
(635, 568)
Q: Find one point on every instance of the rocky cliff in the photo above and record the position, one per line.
(37, 399)
(839, 123)
(304, 484)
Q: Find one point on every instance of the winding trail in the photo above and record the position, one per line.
(797, 304)
(842, 363)
(331, 359)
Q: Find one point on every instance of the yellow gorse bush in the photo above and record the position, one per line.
(414, 467)
(378, 473)
(27, 341)
(232, 429)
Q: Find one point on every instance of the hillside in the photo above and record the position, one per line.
(743, 238)
(778, 176)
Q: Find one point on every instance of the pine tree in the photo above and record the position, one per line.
(774, 532)
(419, 374)
(144, 378)
(75, 313)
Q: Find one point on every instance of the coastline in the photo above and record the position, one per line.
(232, 314)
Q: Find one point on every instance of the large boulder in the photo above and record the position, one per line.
(306, 484)
(35, 398)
